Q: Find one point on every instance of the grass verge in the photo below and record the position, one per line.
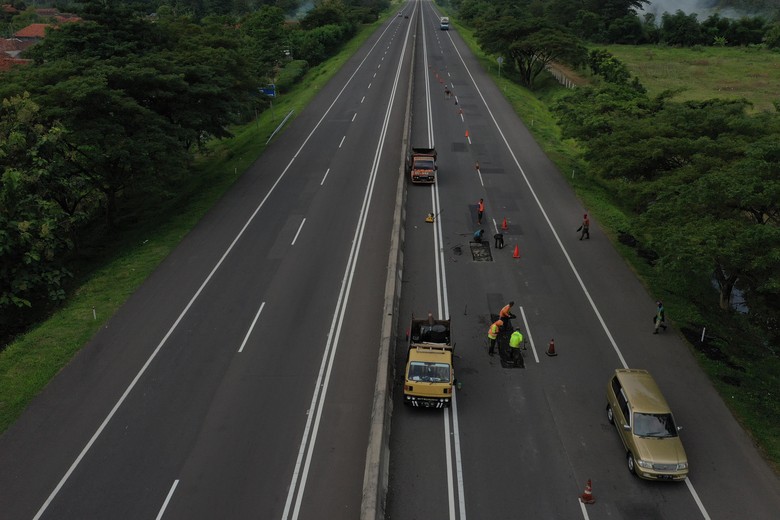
(741, 364)
(28, 363)
(750, 73)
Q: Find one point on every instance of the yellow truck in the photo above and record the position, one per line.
(429, 375)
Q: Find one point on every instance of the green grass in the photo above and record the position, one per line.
(706, 72)
(29, 363)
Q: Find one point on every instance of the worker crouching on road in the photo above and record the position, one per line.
(493, 332)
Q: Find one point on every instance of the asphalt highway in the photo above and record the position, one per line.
(237, 382)
(523, 443)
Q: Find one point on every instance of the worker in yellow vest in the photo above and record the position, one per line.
(493, 331)
(515, 343)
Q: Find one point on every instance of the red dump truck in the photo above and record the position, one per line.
(421, 165)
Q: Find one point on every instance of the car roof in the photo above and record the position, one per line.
(642, 391)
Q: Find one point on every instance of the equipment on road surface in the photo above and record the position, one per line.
(429, 374)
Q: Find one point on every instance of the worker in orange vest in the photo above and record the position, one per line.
(480, 211)
(493, 335)
(506, 314)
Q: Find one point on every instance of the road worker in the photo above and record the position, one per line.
(493, 332)
(506, 315)
(515, 344)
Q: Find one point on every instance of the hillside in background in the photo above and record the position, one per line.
(704, 8)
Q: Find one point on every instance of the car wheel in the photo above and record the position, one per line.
(610, 416)
(630, 462)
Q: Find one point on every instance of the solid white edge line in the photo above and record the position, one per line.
(528, 332)
(167, 499)
(440, 312)
(319, 397)
(458, 461)
(251, 328)
(583, 509)
(443, 303)
(696, 499)
(298, 232)
(440, 257)
(448, 457)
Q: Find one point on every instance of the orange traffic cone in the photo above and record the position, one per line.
(476, 167)
(551, 351)
(516, 254)
(467, 133)
(504, 225)
(587, 496)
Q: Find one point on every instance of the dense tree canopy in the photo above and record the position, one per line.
(530, 44)
(113, 108)
(704, 178)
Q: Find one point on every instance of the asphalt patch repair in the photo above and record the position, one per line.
(480, 251)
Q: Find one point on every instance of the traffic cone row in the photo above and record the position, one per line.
(587, 496)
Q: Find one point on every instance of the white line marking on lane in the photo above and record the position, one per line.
(604, 327)
(325, 177)
(528, 333)
(448, 457)
(583, 509)
(167, 499)
(696, 499)
(342, 141)
(443, 303)
(362, 99)
(251, 328)
(458, 462)
(208, 278)
(353, 117)
(298, 232)
(481, 181)
(439, 236)
(298, 483)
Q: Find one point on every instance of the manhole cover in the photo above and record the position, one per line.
(480, 251)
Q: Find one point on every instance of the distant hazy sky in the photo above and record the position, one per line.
(686, 6)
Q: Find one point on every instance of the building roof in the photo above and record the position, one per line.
(34, 30)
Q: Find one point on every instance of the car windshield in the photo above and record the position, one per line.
(654, 425)
(429, 372)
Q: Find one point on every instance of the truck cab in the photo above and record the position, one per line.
(429, 374)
